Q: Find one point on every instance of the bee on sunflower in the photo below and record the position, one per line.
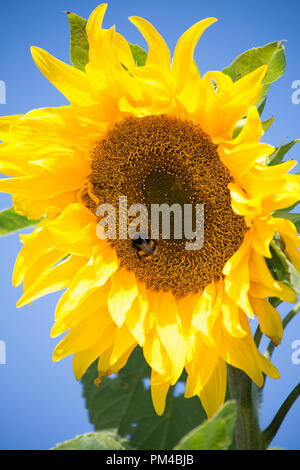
(155, 132)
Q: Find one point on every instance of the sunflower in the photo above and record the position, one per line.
(153, 133)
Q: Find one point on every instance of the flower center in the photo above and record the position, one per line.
(166, 160)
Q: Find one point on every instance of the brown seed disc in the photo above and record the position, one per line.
(163, 159)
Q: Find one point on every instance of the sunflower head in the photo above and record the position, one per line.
(155, 134)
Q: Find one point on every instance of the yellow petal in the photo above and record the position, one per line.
(186, 310)
(95, 34)
(253, 130)
(263, 235)
(123, 52)
(267, 367)
(5, 125)
(44, 185)
(262, 179)
(158, 53)
(83, 359)
(269, 319)
(35, 209)
(122, 293)
(70, 81)
(244, 205)
(136, 319)
(250, 133)
(155, 354)
(207, 309)
(224, 82)
(90, 277)
(248, 89)
(203, 309)
(170, 332)
(59, 277)
(212, 396)
(159, 390)
(41, 259)
(116, 366)
(83, 336)
(123, 342)
(260, 274)
(183, 55)
(88, 304)
(105, 367)
(220, 109)
(280, 290)
(241, 353)
(237, 279)
(231, 318)
(240, 159)
(201, 367)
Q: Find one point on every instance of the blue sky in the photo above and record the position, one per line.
(40, 402)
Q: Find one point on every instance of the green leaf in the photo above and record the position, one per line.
(214, 434)
(286, 209)
(267, 124)
(275, 448)
(261, 105)
(276, 157)
(79, 49)
(10, 221)
(292, 216)
(105, 440)
(138, 54)
(293, 275)
(272, 54)
(283, 268)
(124, 402)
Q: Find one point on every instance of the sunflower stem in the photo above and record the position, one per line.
(247, 431)
(270, 432)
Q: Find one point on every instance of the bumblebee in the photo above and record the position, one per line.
(145, 248)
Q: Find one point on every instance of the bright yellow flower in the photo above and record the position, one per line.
(143, 132)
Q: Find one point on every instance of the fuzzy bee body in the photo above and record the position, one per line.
(145, 249)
